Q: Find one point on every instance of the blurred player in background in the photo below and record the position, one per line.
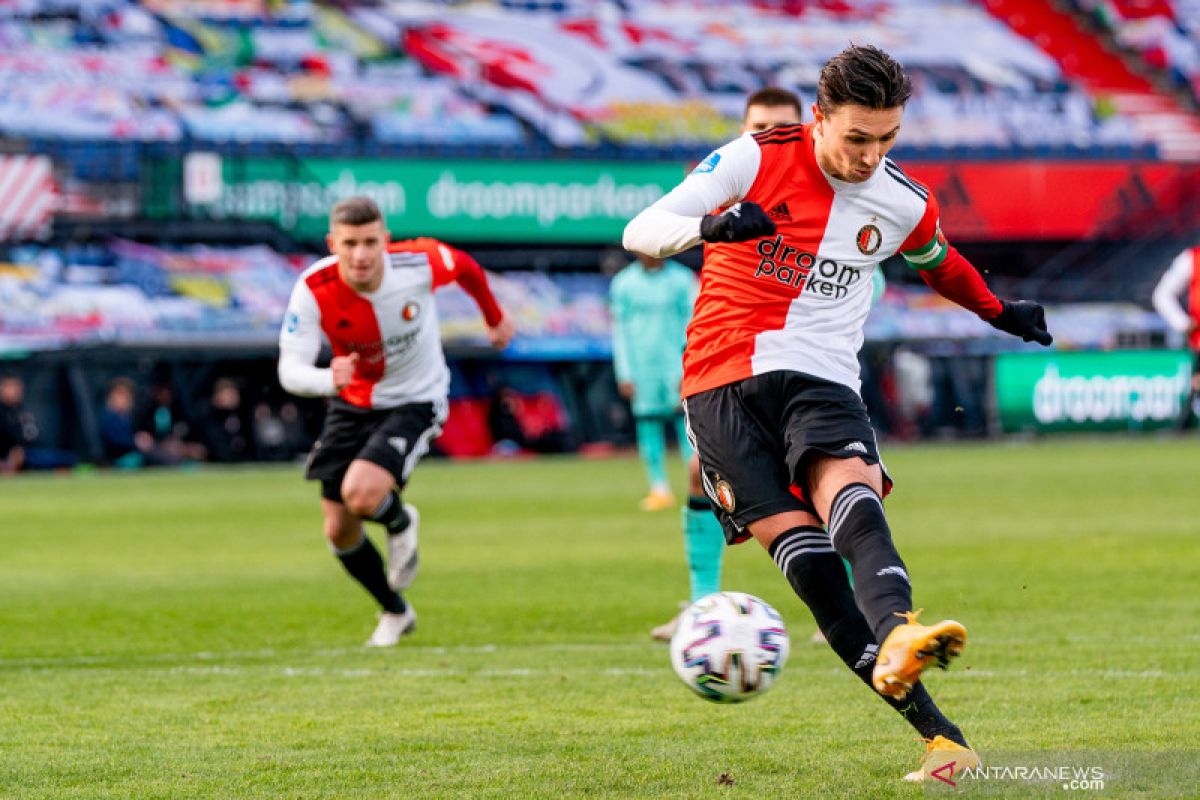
(703, 541)
(1182, 280)
(651, 305)
(373, 300)
(771, 375)
(769, 107)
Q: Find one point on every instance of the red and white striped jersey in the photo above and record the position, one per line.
(393, 329)
(797, 300)
(1181, 280)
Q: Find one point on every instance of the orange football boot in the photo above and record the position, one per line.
(910, 648)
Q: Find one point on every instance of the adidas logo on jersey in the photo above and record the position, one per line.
(780, 213)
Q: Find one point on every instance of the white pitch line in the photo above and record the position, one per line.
(132, 660)
(406, 672)
(202, 663)
(287, 671)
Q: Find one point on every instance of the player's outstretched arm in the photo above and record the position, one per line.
(954, 278)
(949, 274)
(458, 266)
(681, 219)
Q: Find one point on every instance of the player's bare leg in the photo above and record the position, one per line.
(369, 491)
(847, 492)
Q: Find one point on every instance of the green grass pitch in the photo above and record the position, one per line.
(187, 634)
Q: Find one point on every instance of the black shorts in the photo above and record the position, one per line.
(755, 437)
(393, 438)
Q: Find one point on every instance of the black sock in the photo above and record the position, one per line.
(861, 535)
(391, 514)
(817, 576)
(365, 565)
(699, 502)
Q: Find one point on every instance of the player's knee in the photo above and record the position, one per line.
(362, 501)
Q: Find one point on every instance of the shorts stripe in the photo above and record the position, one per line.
(421, 446)
(709, 489)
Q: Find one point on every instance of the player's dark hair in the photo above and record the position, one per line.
(865, 76)
(354, 211)
(774, 96)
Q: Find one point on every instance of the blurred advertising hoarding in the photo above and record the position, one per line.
(1115, 390)
(589, 202)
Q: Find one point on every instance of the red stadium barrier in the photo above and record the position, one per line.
(1060, 199)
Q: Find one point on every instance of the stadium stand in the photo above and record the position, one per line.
(169, 165)
(1083, 58)
(520, 78)
(1165, 32)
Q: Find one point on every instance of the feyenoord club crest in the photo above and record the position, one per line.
(410, 311)
(725, 496)
(868, 240)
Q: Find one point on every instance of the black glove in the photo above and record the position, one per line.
(743, 221)
(1023, 318)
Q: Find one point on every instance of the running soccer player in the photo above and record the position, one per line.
(771, 380)
(703, 541)
(373, 300)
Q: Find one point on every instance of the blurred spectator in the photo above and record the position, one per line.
(124, 446)
(228, 432)
(161, 420)
(19, 434)
(913, 377)
(278, 435)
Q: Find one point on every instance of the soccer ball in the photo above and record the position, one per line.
(729, 647)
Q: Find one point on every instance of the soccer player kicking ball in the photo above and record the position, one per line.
(373, 300)
(771, 380)
(703, 542)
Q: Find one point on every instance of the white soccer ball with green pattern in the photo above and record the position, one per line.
(729, 647)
